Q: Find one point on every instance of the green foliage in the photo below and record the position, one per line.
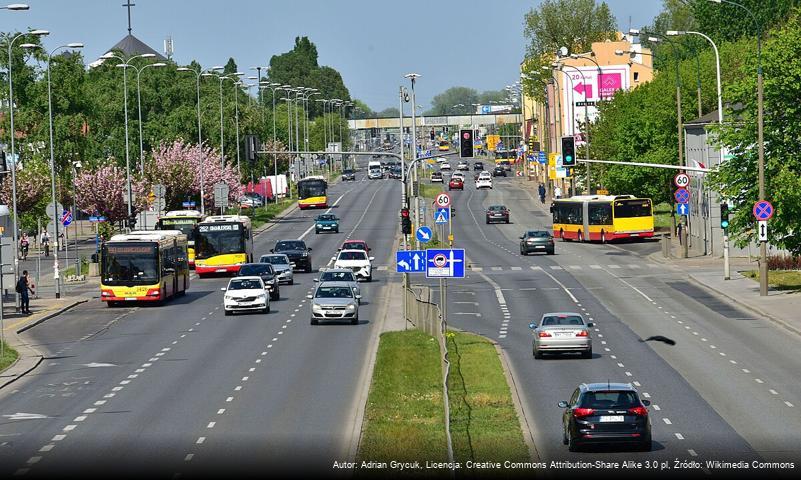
(445, 103)
(728, 22)
(737, 178)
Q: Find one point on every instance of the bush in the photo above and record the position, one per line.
(784, 262)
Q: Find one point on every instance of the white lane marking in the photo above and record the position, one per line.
(211, 424)
(21, 471)
(773, 392)
(614, 266)
(534, 267)
(69, 428)
(517, 268)
(656, 407)
(47, 447)
(628, 374)
(758, 380)
(200, 440)
(33, 460)
(100, 402)
(620, 365)
(692, 452)
(745, 370)
(646, 394)
(679, 436)
(497, 268)
(789, 404)
(229, 399)
(90, 410)
(596, 267)
(188, 457)
(732, 362)
(667, 421)
(556, 267)
(58, 437)
(636, 383)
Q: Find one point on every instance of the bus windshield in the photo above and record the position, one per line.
(130, 264)
(311, 188)
(632, 208)
(221, 239)
(185, 225)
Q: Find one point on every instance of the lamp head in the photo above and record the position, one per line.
(159, 64)
(217, 67)
(654, 39)
(30, 45)
(146, 55)
(39, 33)
(673, 33)
(75, 45)
(17, 6)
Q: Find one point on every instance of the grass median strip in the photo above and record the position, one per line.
(8, 358)
(404, 417)
(260, 216)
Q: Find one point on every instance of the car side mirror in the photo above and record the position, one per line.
(272, 250)
(358, 297)
(532, 325)
(316, 279)
(563, 404)
(372, 258)
(309, 249)
(309, 296)
(522, 237)
(646, 403)
(590, 324)
(223, 289)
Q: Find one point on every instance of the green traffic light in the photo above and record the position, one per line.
(724, 224)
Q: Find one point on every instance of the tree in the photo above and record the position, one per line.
(391, 112)
(737, 178)
(31, 191)
(444, 103)
(573, 24)
(101, 191)
(361, 110)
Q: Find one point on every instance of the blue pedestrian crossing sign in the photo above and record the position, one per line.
(424, 234)
(410, 261)
(683, 208)
(442, 215)
(445, 263)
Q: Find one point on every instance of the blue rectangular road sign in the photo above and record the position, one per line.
(410, 261)
(445, 263)
(442, 215)
(682, 208)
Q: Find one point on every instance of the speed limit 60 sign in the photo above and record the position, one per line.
(681, 180)
(443, 200)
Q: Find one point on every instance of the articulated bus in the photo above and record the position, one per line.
(185, 221)
(312, 192)
(222, 244)
(144, 266)
(602, 218)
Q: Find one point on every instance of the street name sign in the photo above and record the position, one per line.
(410, 261)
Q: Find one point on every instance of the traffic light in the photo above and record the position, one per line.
(466, 143)
(724, 216)
(406, 222)
(568, 151)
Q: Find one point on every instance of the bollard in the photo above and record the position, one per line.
(665, 246)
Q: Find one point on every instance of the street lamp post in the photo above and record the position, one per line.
(15, 236)
(413, 78)
(53, 165)
(601, 97)
(139, 107)
(572, 112)
(273, 88)
(763, 249)
(586, 127)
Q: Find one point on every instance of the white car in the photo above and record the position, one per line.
(441, 160)
(463, 166)
(245, 294)
(356, 261)
(458, 175)
(484, 182)
(445, 166)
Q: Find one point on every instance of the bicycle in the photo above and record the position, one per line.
(46, 246)
(24, 251)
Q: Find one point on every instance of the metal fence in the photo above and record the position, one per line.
(421, 313)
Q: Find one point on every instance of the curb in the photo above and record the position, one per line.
(16, 376)
(52, 314)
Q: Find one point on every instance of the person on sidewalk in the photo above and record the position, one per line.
(23, 287)
(679, 228)
(541, 191)
(557, 192)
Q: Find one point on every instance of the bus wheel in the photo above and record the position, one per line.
(112, 304)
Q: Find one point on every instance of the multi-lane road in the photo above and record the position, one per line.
(183, 389)
(727, 390)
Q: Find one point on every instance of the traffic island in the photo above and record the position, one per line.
(8, 357)
(404, 418)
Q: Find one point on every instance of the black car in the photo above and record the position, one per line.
(536, 241)
(478, 166)
(298, 253)
(499, 172)
(497, 213)
(348, 175)
(395, 172)
(601, 413)
(267, 274)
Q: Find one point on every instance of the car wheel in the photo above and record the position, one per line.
(112, 304)
(275, 295)
(507, 221)
(488, 221)
(314, 321)
(308, 268)
(572, 446)
(370, 277)
(266, 309)
(646, 445)
(550, 252)
(336, 231)
(228, 313)
(587, 354)
(316, 232)
(537, 354)
(354, 321)
(522, 252)
(291, 282)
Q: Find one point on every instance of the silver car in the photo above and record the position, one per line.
(562, 332)
(281, 265)
(334, 301)
(341, 275)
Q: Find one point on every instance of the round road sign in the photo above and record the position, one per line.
(443, 200)
(681, 180)
(763, 210)
(440, 260)
(682, 195)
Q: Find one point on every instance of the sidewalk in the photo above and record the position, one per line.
(779, 306)
(16, 323)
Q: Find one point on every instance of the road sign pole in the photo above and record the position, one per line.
(726, 269)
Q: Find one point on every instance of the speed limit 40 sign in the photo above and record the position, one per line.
(681, 180)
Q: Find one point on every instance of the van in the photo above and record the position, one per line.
(374, 170)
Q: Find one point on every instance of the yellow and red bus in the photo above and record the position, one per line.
(185, 221)
(312, 192)
(222, 244)
(144, 266)
(602, 218)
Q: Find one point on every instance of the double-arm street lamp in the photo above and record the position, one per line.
(198, 73)
(53, 163)
(222, 78)
(139, 107)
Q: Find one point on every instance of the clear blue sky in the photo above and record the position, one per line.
(477, 44)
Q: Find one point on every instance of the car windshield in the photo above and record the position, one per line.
(354, 246)
(334, 292)
(244, 284)
(539, 234)
(290, 245)
(552, 320)
(326, 217)
(345, 172)
(352, 256)
(337, 277)
(274, 259)
(610, 399)
(255, 269)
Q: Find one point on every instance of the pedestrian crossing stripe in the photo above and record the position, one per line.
(555, 267)
(517, 268)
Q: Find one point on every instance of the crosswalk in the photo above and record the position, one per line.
(496, 268)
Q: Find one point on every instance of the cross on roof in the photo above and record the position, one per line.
(128, 5)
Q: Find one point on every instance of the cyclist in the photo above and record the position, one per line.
(24, 243)
(46, 243)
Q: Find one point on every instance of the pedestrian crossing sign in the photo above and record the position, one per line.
(442, 215)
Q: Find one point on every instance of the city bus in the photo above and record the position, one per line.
(143, 266)
(602, 218)
(185, 221)
(504, 158)
(312, 192)
(444, 146)
(222, 244)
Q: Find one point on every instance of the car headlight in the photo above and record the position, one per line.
(229, 297)
(262, 296)
(316, 308)
(351, 307)
(305, 254)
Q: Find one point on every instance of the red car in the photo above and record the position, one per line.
(456, 184)
(355, 245)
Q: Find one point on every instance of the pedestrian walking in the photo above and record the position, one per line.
(23, 287)
(679, 228)
(557, 192)
(541, 191)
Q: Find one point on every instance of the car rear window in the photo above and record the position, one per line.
(539, 233)
(562, 320)
(609, 399)
(334, 292)
(290, 245)
(496, 208)
(353, 246)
